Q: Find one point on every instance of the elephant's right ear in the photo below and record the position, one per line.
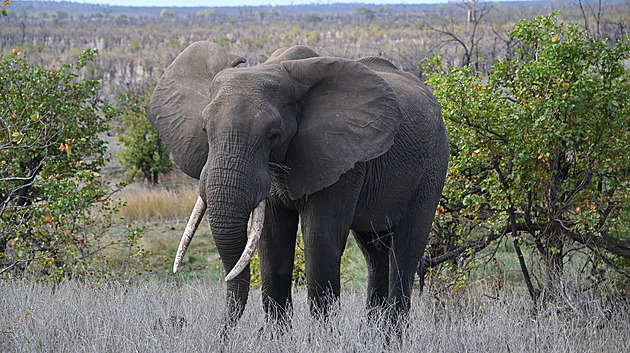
(179, 99)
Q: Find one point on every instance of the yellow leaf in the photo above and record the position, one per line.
(565, 84)
(554, 38)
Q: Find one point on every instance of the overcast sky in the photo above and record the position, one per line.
(246, 2)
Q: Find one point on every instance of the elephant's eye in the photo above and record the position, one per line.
(203, 126)
(274, 136)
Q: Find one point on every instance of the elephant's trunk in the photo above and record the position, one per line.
(228, 222)
(231, 189)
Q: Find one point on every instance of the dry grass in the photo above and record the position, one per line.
(146, 318)
(146, 203)
(485, 317)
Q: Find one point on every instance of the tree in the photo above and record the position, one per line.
(143, 150)
(369, 14)
(467, 37)
(167, 14)
(596, 15)
(539, 147)
(54, 205)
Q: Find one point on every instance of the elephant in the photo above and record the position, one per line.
(333, 145)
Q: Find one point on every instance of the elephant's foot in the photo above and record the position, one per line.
(398, 323)
(278, 311)
(390, 321)
(278, 322)
(275, 329)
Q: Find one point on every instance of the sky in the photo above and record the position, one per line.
(164, 3)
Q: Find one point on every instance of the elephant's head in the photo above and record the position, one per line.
(231, 128)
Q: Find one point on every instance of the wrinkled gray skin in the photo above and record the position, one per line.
(339, 144)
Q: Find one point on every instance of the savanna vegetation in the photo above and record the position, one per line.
(187, 317)
(531, 242)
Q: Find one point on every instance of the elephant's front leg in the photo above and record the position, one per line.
(323, 248)
(276, 251)
(323, 260)
(326, 219)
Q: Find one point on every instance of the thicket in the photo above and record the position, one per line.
(539, 153)
(55, 207)
(142, 149)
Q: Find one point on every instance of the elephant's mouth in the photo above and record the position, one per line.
(256, 225)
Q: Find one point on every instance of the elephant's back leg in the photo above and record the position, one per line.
(407, 247)
(375, 249)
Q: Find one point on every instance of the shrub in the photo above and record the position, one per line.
(54, 205)
(539, 148)
(143, 150)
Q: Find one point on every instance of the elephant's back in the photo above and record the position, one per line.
(421, 122)
(415, 166)
(422, 137)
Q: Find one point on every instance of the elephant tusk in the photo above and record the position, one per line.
(258, 220)
(193, 222)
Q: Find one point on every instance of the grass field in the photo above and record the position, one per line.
(174, 316)
(172, 200)
(162, 312)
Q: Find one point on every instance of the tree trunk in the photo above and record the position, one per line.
(553, 257)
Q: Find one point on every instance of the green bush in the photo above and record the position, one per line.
(55, 210)
(143, 150)
(540, 148)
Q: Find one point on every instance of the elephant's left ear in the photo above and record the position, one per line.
(179, 99)
(349, 114)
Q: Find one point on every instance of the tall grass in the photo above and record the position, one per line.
(183, 315)
(147, 203)
(167, 316)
